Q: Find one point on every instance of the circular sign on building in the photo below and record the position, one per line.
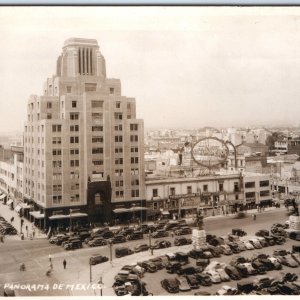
(210, 152)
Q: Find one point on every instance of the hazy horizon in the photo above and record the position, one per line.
(187, 67)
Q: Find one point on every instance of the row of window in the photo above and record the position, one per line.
(262, 183)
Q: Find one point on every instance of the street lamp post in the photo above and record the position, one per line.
(110, 244)
(150, 247)
(90, 272)
(101, 285)
(70, 228)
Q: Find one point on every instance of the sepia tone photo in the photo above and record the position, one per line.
(149, 151)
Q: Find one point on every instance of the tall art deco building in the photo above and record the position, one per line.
(83, 146)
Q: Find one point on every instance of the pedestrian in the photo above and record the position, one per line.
(50, 258)
(65, 263)
(33, 233)
(12, 219)
(26, 230)
(1, 238)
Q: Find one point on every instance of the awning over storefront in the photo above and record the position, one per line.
(2, 196)
(138, 208)
(120, 210)
(37, 214)
(165, 212)
(27, 197)
(78, 215)
(57, 217)
(18, 208)
(10, 201)
(153, 212)
(24, 205)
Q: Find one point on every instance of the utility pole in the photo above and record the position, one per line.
(70, 228)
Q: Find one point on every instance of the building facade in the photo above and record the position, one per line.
(83, 145)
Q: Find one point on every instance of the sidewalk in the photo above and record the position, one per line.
(7, 214)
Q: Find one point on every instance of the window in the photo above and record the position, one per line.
(98, 139)
(205, 188)
(97, 104)
(118, 172)
(134, 138)
(56, 140)
(56, 128)
(74, 128)
(119, 161)
(57, 176)
(119, 127)
(250, 195)
(128, 106)
(236, 187)
(119, 194)
(57, 199)
(133, 127)
(118, 116)
(97, 162)
(97, 128)
(74, 151)
(111, 90)
(74, 175)
(236, 197)
(118, 150)
(74, 139)
(74, 116)
(118, 104)
(188, 189)
(74, 186)
(134, 160)
(56, 164)
(49, 116)
(97, 150)
(49, 105)
(57, 188)
(135, 182)
(56, 152)
(97, 117)
(119, 183)
(118, 138)
(134, 149)
(264, 193)
(264, 183)
(135, 193)
(74, 104)
(134, 171)
(172, 191)
(74, 163)
(250, 184)
(221, 187)
(69, 89)
(98, 198)
(154, 192)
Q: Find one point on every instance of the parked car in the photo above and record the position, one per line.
(161, 244)
(97, 259)
(195, 253)
(183, 284)
(158, 262)
(173, 267)
(141, 247)
(136, 235)
(182, 257)
(223, 275)
(262, 232)
(232, 273)
(148, 265)
(186, 271)
(245, 286)
(287, 261)
(171, 285)
(202, 262)
(56, 238)
(227, 290)
(294, 235)
(192, 281)
(238, 232)
(248, 245)
(241, 246)
(262, 241)
(182, 241)
(256, 244)
(234, 247)
(122, 251)
(214, 276)
(159, 234)
(74, 244)
(226, 249)
(97, 242)
(118, 239)
(204, 279)
(269, 240)
(183, 231)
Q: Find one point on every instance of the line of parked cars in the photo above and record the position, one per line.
(6, 228)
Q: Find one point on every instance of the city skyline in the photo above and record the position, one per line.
(218, 67)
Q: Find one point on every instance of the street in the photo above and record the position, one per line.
(34, 253)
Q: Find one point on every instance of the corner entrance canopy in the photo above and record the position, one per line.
(132, 209)
(73, 215)
(37, 214)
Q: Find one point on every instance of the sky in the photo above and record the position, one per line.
(187, 67)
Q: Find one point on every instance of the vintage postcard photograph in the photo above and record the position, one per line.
(149, 151)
